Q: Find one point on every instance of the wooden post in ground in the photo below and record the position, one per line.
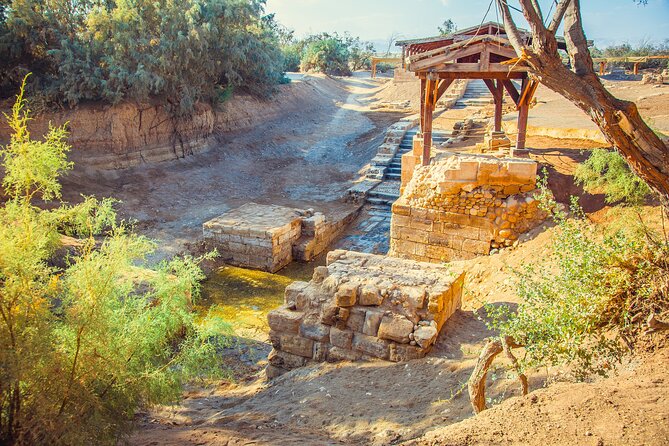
(602, 68)
(423, 86)
(430, 93)
(496, 89)
(523, 110)
(636, 68)
(373, 69)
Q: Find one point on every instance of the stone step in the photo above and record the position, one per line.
(393, 176)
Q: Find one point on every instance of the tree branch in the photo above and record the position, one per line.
(577, 44)
(557, 16)
(510, 27)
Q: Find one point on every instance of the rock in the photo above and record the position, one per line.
(425, 336)
(342, 354)
(284, 320)
(395, 328)
(272, 372)
(370, 345)
(314, 330)
(285, 360)
(356, 319)
(346, 295)
(297, 345)
(370, 295)
(320, 273)
(372, 322)
(341, 338)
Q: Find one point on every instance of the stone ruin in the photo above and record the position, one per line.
(363, 306)
(462, 206)
(269, 237)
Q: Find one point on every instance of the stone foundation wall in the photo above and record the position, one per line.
(461, 206)
(269, 237)
(362, 307)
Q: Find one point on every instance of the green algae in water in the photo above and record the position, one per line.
(243, 297)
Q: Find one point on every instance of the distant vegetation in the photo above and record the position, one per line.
(329, 53)
(87, 333)
(183, 51)
(644, 48)
(448, 27)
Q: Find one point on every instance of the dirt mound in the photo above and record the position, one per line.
(400, 92)
(631, 409)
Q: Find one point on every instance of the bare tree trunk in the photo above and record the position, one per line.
(618, 120)
(476, 383)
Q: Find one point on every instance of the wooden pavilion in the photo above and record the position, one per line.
(481, 52)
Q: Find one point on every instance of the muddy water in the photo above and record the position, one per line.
(243, 297)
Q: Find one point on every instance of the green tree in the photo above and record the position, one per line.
(327, 53)
(83, 345)
(448, 27)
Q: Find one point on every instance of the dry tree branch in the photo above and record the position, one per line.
(557, 16)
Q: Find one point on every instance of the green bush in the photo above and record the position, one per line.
(607, 171)
(328, 55)
(111, 51)
(576, 306)
(82, 346)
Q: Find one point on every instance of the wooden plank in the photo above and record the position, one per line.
(484, 60)
(427, 122)
(477, 75)
(443, 86)
(503, 51)
(475, 68)
(446, 57)
(523, 113)
(423, 86)
(498, 94)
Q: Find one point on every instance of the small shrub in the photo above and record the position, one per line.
(575, 308)
(84, 345)
(607, 171)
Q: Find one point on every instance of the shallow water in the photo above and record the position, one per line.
(243, 297)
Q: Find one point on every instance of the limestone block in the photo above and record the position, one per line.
(372, 322)
(370, 295)
(320, 351)
(294, 295)
(341, 338)
(425, 336)
(370, 345)
(342, 354)
(395, 328)
(297, 345)
(320, 273)
(415, 295)
(346, 295)
(284, 320)
(400, 209)
(285, 360)
(312, 329)
(356, 319)
(405, 352)
(476, 246)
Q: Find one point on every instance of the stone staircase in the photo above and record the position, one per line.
(476, 95)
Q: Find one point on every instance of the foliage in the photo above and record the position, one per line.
(328, 54)
(82, 346)
(575, 308)
(448, 27)
(111, 51)
(643, 48)
(606, 170)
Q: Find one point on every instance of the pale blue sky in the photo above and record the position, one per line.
(606, 21)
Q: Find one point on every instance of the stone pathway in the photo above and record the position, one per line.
(371, 233)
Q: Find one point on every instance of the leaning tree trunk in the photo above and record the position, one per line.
(619, 120)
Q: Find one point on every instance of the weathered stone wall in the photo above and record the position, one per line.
(461, 206)
(269, 237)
(360, 307)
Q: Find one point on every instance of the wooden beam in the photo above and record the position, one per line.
(427, 122)
(479, 75)
(423, 87)
(462, 67)
(446, 57)
(443, 86)
(499, 99)
(511, 89)
(484, 60)
(522, 116)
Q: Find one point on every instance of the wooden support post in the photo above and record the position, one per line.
(636, 68)
(430, 87)
(602, 68)
(496, 89)
(423, 87)
(523, 112)
(373, 69)
(404, 58)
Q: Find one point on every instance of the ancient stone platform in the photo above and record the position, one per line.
(462, 206)
(362, 307)
(269, 237)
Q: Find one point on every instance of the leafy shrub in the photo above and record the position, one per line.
(328, 55)
(111, 51)
(83, 345)
(606, 170)
(575, 308)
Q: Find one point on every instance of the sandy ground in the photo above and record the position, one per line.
(308, 161)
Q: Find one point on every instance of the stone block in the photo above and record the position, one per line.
(425, 336)
(294, 295)
(395, 328)
(341, 338)
(370, 295)
(320, 351)
(283, 320)
(297, 345)
(370, 345)
(346, 295)
(314, 330)
(342, 354)
(404, 352)
(476, 246)
(285, 360)
(320, 273)
(356, 319)
(372, 322)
